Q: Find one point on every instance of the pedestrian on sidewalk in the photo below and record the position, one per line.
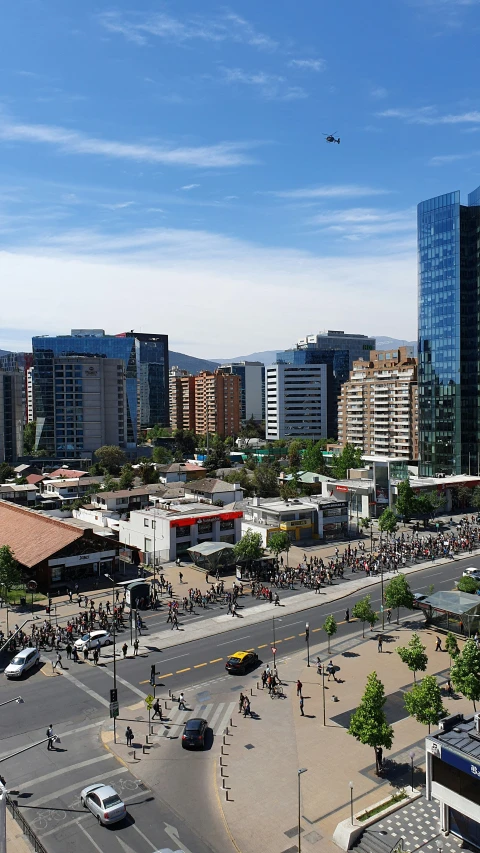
(449, 688)
(331, 671)
(180, 577)
(277, 599)
(299, 687)
(380, 644)
(75, 655)
(246, 707)
(181, 703)
(58, 661)
(85, 653)
(135, 648)
(157, 711)
(124, 650)
(438, 645)
(68, 649)
(128, 736)
(264, 679)
(70, 595)
(347, 615)
(389, 616)
(302, 714)
(51, 737)
(240, 702)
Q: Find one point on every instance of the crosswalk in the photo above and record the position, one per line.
(217, 715)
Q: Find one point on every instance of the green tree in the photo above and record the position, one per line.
(466, 584)
(364, 522)
(438, 500)
(398, 594)
(405, 505)
(424, 505)
(464, 495)
(251, 429)
(350, 457)
(161, 455)
(413, 654)
(239, 475)
(278, 542)
(127, 476)
(249, 548)
(313, 458)
(368, 724)
(330, 628)
(6, 472)
(363, 610)
(476, 497)
(465, 672)
(265, 482)
(10, 574)
(388, 521)
(29, 432)
(148, 473)
(451, 646)
(295, 453)
(217, 455)
(185, 441)
(111, 458)
(424, 702)
(109, 484)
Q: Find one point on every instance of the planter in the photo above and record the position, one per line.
(347, 833)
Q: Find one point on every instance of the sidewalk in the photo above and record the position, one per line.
(16, 841)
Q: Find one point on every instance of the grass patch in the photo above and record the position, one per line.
(396, 798)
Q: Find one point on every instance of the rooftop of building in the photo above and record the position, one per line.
(179, 510)
(459, 732)
(18, 487)
(31, 536)
(211, 486)
(124, 493)
(435, 482)
(33, 479)
(67, 472)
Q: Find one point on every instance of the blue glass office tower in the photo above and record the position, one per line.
(151, 353)
(338, 366)
(449, 334)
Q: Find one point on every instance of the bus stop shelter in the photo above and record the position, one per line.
(452, 610)
(213, 556)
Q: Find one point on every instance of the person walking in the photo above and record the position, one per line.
(241, 700)
(124, 650)
(180, 577)
(181, 703)
(128, 736)
(75, 654)
(95, 657)
(299, 687)
(302, 713)
(347, 615)
(438, 645)
(264, 679)
(58, 661)
(331, 671)
(380, 644)
(389, 616)
(85, 653)
(135, 648)
(157, 711)
(68, 649)
(246, 706)
(51, 737)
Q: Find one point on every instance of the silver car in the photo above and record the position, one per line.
(91, 639)
(22, 662)
(103, 802)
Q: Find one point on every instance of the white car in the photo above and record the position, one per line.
(103, 802)
(90, 640)
(22, 661)
(472, 573)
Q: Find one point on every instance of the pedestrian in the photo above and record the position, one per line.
(299, 687)
(70, 595)
(246, 707)
(95, 656)
(157, 711)
(99, 646)
(58, 661)
(180, 577)
(264, 679)
(380, 644)
(68, 649)
(124, 650)
(277, 600)
(438, 645)
(128, 736)
(301, 707)
(241, 700)
(181, 703)
(85, 652)
(75, 654)
(449, 688)
(135, 648)
(389, 616)
(331, 671)
(347, 615)
(51, 737)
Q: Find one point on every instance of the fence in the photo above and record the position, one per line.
(26, 829)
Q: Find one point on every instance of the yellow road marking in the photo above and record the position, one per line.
(167, 675)
(258, 647)
(217, 660)
(183, 670)
(278, 641)
(145, 682)
(303, 635)
(198, 665)
(314, 629)
(249, 650)
(288, 638)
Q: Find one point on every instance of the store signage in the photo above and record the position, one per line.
(187, 522)
(341, 488)
(461, 762)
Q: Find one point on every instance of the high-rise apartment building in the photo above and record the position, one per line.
(11, 415)
(182, 399)
(217, 403)
(378, 406)
(30, 395)
(252, 388)
(296, 401)
(337, 362)
(449, 334)
(151, 353)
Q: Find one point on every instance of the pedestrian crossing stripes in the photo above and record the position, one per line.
(218, 717)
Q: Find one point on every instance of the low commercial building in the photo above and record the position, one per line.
(305, 520)
(159, 535)
(52, 552)
(453, 773)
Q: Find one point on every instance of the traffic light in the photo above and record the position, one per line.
(152, 674)
(113, 695)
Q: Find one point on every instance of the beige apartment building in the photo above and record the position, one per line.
(182, 399)
(378, 406)
(217, 403)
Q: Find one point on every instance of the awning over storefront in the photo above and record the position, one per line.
(453, 609)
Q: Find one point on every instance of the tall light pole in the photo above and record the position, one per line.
(114, 654)
(18, 700)
(307, 637)
(382, 608)
(274, 648)
(351, 802)
(412, 756)
(299, 773)
(323, 695)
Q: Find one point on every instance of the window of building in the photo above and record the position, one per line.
(183, 531)
(145, 522)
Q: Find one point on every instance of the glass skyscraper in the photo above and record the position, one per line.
(449, 334)
(151, 353)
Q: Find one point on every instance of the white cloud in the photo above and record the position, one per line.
(366, 222)
(220, 155)
(270, 86)
(379, 92)
(445, 159)
(226, 27)
(121, 205)
(330, 191)
(308, 64)
(190, 187)
(430, 116)
(163, 262)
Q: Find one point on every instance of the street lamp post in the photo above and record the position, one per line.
(9, 639)
(307, 637)
(299, 773)
(274, 652)
(114, 654)
(323, 695)
(382, 608)
(412, 756)
(18, 700)
(351, 802)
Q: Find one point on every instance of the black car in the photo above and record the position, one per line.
(240, 662)
(194, 733)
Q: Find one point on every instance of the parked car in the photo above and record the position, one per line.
(103, 802)
(194, 733)
(471, 573)
(240, 662)
(90, 640)
(22, 662)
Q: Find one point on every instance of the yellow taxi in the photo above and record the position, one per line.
(240, 662)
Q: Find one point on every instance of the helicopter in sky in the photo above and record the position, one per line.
(330, 137)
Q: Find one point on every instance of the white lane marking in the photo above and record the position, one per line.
(100, 850)
(63, 826)
(78, 786)
(231, 642)
(175, 658)
(226, 717)
(127, 684)
(86, 689)
(153, 846)
(71, 767)
(216, 715)
(172, 833)
(66, 734)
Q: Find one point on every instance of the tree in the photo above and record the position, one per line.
(109, 484)
(29, 433)
(186, 441)
(464, 495)
(278, 542)
(424, 702)
(249, 548)
(330, 628)
(161, 455)
(388, 521)
(313, 458)
(466, 584)
(413, 654)
(10, 574)
(350, 457)
(438, 500)
(250, 430)
(364, 522)
(398, 594)
(476, 497)
(405, 505)
(451, 646)
(424, 505)
(6, 472)
(363, 610)
(217, 455)
(295, 453)
(239, 475)
(368, 723)
(127, 476)
(148, 473)
(465, 672)
(265, 480)
(111, 458)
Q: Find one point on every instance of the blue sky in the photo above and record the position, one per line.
(162, 165)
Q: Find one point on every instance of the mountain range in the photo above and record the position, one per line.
(269, 356)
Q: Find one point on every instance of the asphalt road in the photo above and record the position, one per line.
(173, 809)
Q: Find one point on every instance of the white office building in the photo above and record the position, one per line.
(296, 401)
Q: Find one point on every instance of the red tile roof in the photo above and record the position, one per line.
(68, 473)
(33, 479)
(31, 536)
